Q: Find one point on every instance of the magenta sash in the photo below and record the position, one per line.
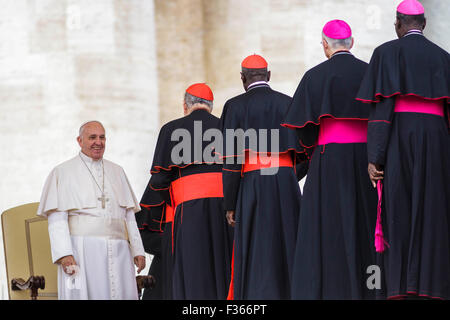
(419, 105)
(342, 131)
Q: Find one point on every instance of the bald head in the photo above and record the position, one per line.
(80, 131)
(92, 139)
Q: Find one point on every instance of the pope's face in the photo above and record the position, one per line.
(92, 140)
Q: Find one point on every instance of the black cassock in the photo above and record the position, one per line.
(337, 220)
(266, 206)
(413, 149)
(157, 240)
(201, 241)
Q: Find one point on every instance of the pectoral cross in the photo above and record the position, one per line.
(103, 199)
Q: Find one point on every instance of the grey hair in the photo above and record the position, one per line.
(338, 43)
(190, 100)
(80, 131)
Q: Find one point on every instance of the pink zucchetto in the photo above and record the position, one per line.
(337, 29)
(410, 7)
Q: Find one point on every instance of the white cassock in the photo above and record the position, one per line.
(103, 241)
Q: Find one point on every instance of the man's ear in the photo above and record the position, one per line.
(268, 76)
(398, 23)
(243, 78)
(79, 140)
(424, 23)
(353, 42)
(324, 43)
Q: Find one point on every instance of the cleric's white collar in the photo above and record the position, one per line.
(413, 31)
(338, 53)
(88, 159)
(257, 84)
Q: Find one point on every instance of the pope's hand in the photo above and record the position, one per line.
(67, 261)
(139, 261)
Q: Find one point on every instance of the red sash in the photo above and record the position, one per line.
(169, 213)
(196, 186)
(255, 161)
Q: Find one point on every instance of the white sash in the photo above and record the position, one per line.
(88, 226)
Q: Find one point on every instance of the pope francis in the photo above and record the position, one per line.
(94, 238)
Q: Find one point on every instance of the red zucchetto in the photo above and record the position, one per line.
(254, 62)
(201, 90)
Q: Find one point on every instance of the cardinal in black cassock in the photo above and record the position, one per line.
(261, 191)
(407, 85)
(335, 231)
(152, 221)
(188, 175)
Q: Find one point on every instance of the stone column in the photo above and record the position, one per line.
(180, 52)
(437, 13)
(64, 62)
(287, 33)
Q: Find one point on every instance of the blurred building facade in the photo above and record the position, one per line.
(127, 64)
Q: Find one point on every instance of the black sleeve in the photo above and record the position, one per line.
(151, 241)
(308, 135)
(379, 130)
(160, 182)
(231, 179)
(231, 169)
